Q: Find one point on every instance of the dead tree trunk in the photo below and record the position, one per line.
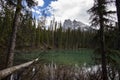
(8, 71)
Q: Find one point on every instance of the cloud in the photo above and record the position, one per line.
(71, 9)
(40, 2)
(35, 11)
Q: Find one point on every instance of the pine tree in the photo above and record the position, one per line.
(99, 13)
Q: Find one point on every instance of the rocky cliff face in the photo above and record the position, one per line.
(74, 25)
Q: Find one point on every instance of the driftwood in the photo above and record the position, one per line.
(8, 71)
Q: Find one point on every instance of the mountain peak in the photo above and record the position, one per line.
(74, 24)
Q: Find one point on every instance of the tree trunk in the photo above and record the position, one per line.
(11, 47)
(103, 54)
(118, 16)
(102, 45)
(118, 12)
(10, 54)
(119, 74)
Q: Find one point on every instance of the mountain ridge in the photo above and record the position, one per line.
(74, 24)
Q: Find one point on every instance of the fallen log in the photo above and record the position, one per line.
(5, 72)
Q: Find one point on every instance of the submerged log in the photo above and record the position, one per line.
(4, 73)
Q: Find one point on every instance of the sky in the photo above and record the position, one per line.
(64, 9)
